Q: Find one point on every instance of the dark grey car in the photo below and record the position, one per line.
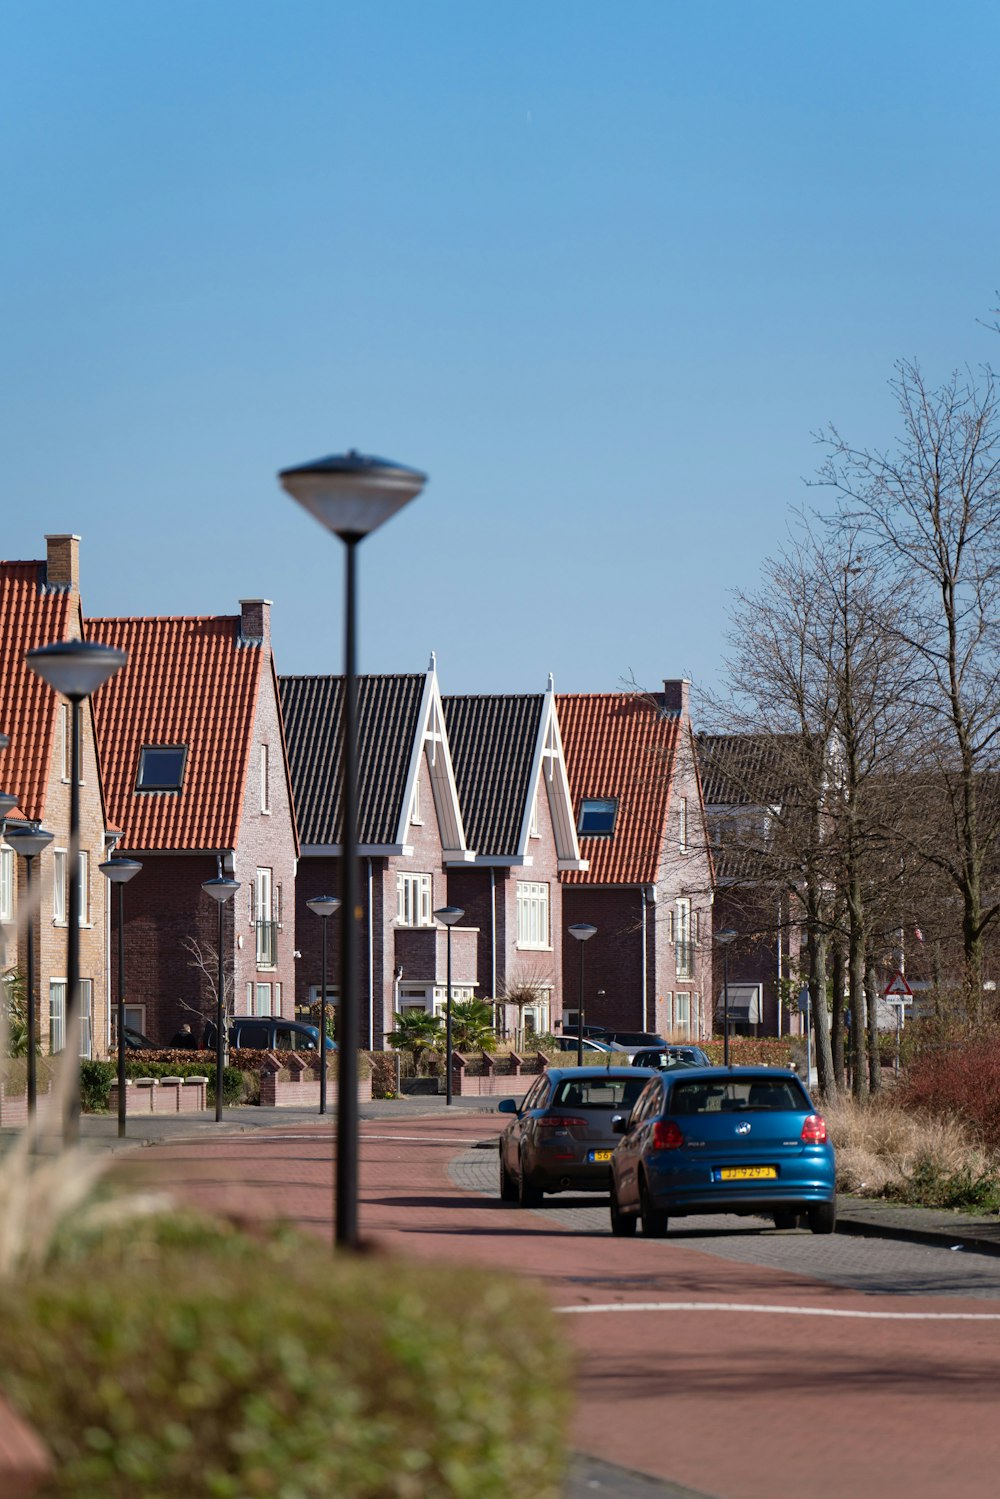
(561, 1138)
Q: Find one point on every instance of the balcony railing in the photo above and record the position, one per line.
(267, 944)
(685, 959)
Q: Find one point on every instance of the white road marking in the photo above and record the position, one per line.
(779, 1311)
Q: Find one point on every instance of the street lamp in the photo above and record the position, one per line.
(220, 889)
(323, 906)
(29, 843)
(582, 931)
(450, 916)
(74, 668)
(351, 495)
(724, 939)
(119, 872)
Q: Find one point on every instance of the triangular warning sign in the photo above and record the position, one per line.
(897, 988)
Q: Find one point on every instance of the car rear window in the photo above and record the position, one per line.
(598, 1092)
(743, 1095)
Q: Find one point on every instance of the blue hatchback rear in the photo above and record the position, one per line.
(723, 1140)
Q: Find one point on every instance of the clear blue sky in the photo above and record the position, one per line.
(600, 269)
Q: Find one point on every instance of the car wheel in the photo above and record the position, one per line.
(508, 1185)
(823, 1218)
(623, 1225)
(527, 1195)
(785, 1218)
(654, 1220)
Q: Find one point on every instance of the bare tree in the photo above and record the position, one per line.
(930, 515)
(204, 959)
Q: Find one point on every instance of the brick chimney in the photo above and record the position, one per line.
(675, 696)
(255, 622)
(62, 562)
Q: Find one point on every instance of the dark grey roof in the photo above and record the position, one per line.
(388, 710)
(492, 741)
(739, 770)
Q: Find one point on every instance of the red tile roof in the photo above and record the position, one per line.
(188, 681)
(30, 614)
(620, 745)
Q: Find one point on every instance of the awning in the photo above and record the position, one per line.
(745, 1004)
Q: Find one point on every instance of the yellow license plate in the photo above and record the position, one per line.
(748, 1173)
(600, 1155)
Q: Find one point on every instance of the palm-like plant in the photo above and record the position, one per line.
(15, 992)
(418, 1032)
(472, 1025)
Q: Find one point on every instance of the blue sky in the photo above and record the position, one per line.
(600, 269)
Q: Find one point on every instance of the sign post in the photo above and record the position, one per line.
(899, 993)
(806, 1013)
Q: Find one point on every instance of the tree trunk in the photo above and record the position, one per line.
(820, 1015)
(874, 1059)
(837, 1014)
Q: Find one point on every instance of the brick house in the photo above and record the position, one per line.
(514, 793)
(196, 777)
(39, 604)
(747, 781)
(648, 886)
(410, 832)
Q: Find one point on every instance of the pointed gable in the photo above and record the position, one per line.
(620, 747)
(32, 613)
(190, 682)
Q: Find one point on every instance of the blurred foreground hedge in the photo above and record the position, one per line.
(180, 1358)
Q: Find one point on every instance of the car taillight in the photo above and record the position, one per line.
(558, 1121)
(667, 1135)
(814, 1130)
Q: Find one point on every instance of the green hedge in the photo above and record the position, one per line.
(178, 1358)
(751, 1051)
(96, 1079)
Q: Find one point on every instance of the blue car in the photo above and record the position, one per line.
(722, 1140)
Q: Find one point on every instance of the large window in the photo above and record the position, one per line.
(262, 916)
(413, 900)
(84, 893)
(532, 914)
(57, 1016)
(597, 817)
(161, 767)
(682, 1012)
(59, 885)
(684, 947)
(6, 884)
(682, 824)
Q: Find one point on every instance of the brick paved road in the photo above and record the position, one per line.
(883, 1266)
(701, 1361)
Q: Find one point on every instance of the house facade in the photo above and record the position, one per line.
(40, 604)
(648, 884)
(514, 794)
(410, 836)
(191, 741)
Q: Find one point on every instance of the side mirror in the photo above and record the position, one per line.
(507, 1106)
(619, 1124)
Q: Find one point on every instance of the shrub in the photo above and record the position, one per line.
(96, 1079)
(180, 1358)
(750, 1051)
(960, 1079)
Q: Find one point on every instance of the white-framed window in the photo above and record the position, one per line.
(59, 886)
(316, 990)
(6, 884)
(86, 1017)
(532, 913)
(84, 892)
(135, 1018)
(413, 900)
(265, 780)
(57, 1014)
(682, 824)
(66, 744)
(696, 1013)
(415, 813)
(262, 999)
(459, 994)
(533, 829)
(277, 1000)
(683, 947)
(668, 1011)
(682, 1011)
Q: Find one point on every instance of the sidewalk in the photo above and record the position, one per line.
(868, 1218)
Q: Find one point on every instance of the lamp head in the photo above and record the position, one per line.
(221, 888)
(725, 937)
(76, 668)
(351, 494)
(120, 871)
(323, 905)
(450, 915)
(28, 841)
(582, 931)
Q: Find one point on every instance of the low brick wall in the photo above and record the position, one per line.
(162, 1095)
(24, 1462)
(14, 1110)
(502, 1084)
(491, 1082)
(298, 1088)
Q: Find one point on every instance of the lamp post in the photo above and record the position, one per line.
(582, 931)
(118, 872)
(450, 916)
(323, 906)
(29, 843)
(220, 889)
(74, 668)
(723, 939)
(351, 495)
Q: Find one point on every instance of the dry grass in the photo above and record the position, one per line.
(883, 1150)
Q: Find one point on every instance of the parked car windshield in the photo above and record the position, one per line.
(597, 1092)
(636, 1038)
(738, 1095)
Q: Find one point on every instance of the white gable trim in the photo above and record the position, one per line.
(549, 769)
(431, 739)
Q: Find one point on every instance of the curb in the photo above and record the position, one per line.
(864, 1228)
